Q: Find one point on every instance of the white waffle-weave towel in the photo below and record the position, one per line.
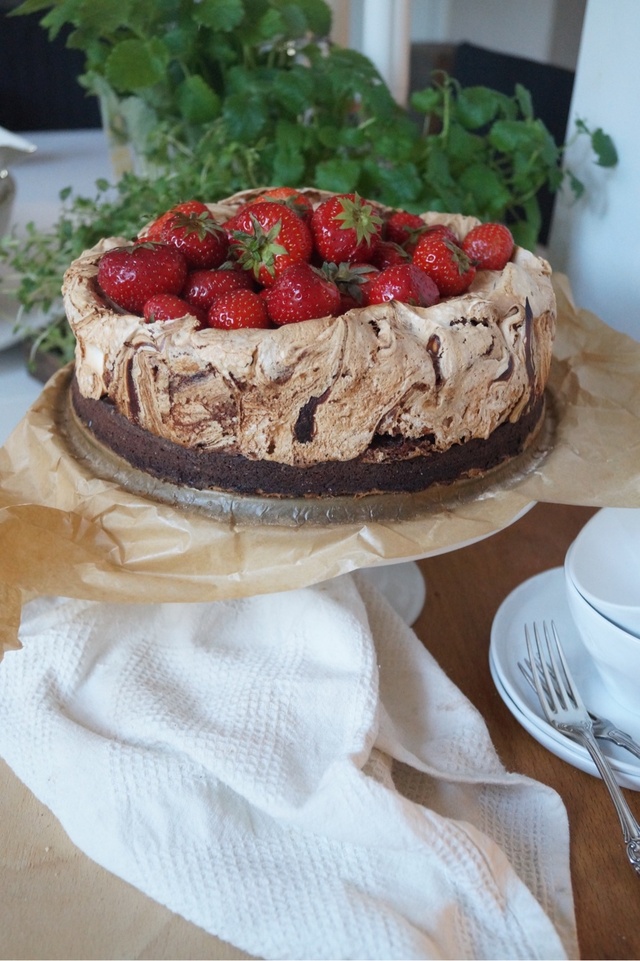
(292, 772)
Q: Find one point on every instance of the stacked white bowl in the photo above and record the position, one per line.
(602, 574)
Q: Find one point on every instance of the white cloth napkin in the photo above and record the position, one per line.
(293, 772)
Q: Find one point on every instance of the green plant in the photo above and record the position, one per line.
(222, 95)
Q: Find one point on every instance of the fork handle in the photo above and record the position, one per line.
(616, 736)
(630, 827)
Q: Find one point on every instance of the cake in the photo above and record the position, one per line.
(385, 397)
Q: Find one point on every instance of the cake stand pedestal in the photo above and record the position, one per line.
(403, 586)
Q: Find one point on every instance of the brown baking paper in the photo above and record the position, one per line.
(68, 527)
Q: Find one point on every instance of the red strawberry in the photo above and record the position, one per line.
(346, 227)
(170, 307)
(445, 262)
(266, 238)
(404, 282)
(404, 229)
(154, 230)
(198, 237)
(489, 246)
(353, 281)
(302, 293)
(129, 276)
(202, 287)
(388, 253)
(240, 308)
(443, 231)
(298, 202)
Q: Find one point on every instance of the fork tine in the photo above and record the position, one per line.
(572, 691)
(549, 671)
(544, 696)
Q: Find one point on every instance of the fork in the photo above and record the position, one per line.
(603, 728)
(565, 711)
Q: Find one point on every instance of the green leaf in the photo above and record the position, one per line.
(604, 148)
(198, 103)
(395, 185)
(28, 7)
(476, 106)
(136, 64)
(491, 197)
(340, 176)
(464, 148)
(523, 99)
(294, 89)
(223, 15)
(318, 16)
(511, 135)
(427, 101)
(576, 184)
(245, 117)
(103, 16)
(526, 228)
(288, 161)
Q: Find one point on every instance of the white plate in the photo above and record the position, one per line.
(543, 598)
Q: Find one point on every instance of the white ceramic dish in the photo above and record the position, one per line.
(604, 564)
(615, 652)
(543, 598)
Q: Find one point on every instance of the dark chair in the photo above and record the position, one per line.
(39, 89)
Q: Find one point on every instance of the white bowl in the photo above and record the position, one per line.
(614, 651)
(604, 565)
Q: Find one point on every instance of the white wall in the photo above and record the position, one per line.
(544, 30)
(595, 241)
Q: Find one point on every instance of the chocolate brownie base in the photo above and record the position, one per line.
(397, 467)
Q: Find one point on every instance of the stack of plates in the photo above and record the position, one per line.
(542, 598)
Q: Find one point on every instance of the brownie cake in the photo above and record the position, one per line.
(383, 397)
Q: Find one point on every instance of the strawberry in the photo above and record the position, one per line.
(239, 308)
(202, 287)
(296, 201)
(198, 237)
(445, 262)
(170, 307)
(346, 227)
(266, 238)
(443, 231)
(404, 282)
(129, 276)
(489, 246)
(404, 229)
(154, 230)
(353, 281)
(302, 293)
(388, 253)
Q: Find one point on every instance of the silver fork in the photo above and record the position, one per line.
(603, 728)
(565, 711)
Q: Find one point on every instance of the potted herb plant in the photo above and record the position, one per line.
(214, 96)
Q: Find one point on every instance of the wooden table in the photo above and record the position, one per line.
(55, 903)
(606, 890)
